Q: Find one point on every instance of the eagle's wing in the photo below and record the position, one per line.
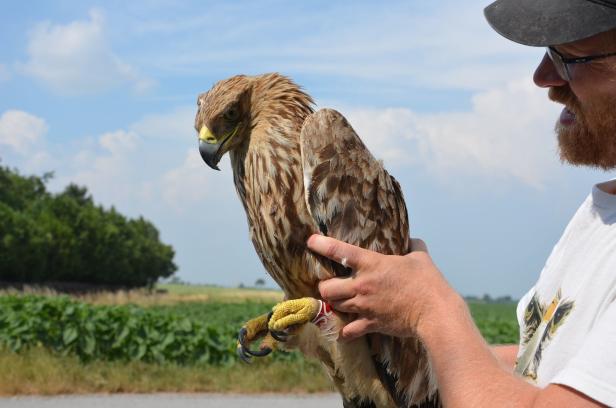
(348, 192)
(352, 198)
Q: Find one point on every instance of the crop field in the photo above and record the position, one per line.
(167, 341)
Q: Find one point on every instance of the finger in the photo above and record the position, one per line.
(418, 245)
(337, 289)
(356, 328)
(347, 306)
(345, 254)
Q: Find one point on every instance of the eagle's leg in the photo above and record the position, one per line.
(251, 331)
(288, 315)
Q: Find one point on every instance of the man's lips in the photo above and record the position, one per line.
(567, 118)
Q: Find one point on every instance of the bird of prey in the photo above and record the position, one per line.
(298, 172)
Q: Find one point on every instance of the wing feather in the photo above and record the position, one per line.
(354, 199)
(348, 192)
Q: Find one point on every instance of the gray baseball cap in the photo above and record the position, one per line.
(551, 22)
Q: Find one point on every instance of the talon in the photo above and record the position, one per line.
(241, 338)
(246, 349)
(241, 353)
(251, 331)
(279, 335)
(259, 353)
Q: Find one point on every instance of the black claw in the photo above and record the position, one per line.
(242, 355)
(244, 352)
(259, 353)
(241, 337)
(279, 335)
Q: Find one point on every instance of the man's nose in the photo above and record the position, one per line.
(546, 75)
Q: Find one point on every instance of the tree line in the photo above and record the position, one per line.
(65, 237)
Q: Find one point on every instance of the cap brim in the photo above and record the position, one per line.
(542, 23)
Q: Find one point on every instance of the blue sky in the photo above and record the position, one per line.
(104, 94)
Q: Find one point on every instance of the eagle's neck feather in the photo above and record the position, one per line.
(268, 178)
(278, 110)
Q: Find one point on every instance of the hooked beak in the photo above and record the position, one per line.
(210, 148)
(208, 152)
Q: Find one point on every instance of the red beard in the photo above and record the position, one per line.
(591, 139)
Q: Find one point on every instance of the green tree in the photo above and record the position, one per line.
(65, 237)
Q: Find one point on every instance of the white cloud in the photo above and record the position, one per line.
(386, 132)
(152, 165)
(119, 143)
(21, 131)
(176, 124)
(76, 58)
(110, 169)
(507, 134)
(187, 185)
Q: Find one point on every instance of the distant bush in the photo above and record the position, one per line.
(65, 237)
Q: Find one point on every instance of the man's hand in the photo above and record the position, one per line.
(402, 295)
(389, 294)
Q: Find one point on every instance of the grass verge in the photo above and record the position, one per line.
(40, 372)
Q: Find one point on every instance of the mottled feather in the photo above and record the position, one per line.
(359, 202)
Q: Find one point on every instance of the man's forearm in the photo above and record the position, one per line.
(506, 354)
(468, 373)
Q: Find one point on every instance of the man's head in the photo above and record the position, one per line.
(574, 30)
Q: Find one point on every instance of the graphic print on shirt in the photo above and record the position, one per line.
(541, 321)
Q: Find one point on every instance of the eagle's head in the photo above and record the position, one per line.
(229, 111)
(223, 117)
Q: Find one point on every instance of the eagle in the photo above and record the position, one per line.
(298, 172)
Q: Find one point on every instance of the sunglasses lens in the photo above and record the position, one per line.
(558, 64)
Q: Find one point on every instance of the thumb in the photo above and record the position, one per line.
(356, 328)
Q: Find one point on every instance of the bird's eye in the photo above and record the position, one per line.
(231, 114)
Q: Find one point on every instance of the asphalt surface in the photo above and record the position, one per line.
(174, 401)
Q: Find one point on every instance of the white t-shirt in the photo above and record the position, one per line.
(568, 319)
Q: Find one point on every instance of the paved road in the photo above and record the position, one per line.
(174, 401)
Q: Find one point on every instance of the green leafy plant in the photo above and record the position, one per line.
(185, 333)
(128, 333)
(496, 322)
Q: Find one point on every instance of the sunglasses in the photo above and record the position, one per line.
(563, 63)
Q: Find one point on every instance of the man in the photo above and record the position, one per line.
(567, 355)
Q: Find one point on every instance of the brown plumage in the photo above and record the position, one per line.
(298, 173)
